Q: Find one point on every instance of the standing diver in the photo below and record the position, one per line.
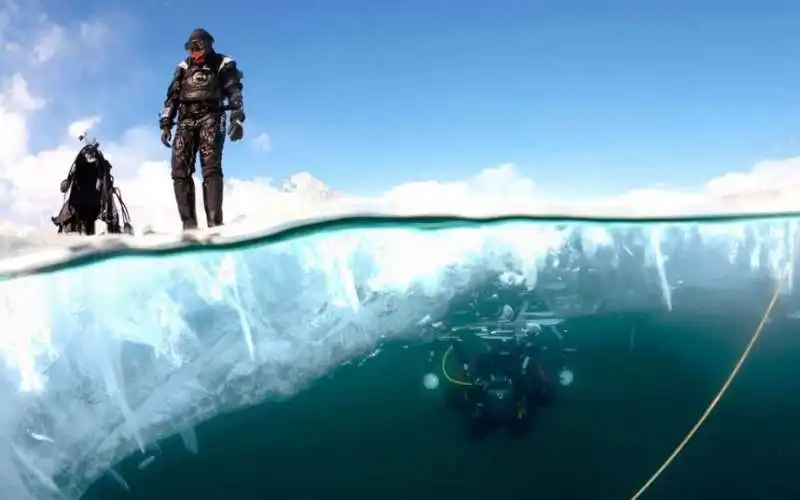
(503, 387)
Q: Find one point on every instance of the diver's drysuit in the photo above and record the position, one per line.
(196, 96)
(502, 388)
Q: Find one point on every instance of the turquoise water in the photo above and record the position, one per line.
(295, 364)
(373, 432)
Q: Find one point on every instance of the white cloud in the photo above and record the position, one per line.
(94, 33)
(50, 41)
(765, 176)
(17, 96)
(263, 142)
(84, 126)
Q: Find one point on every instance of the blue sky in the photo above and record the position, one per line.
(365, 94)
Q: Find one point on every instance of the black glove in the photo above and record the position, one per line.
(64, 185)
(237, 130)
(166, 136)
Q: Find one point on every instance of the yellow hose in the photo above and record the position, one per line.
(447, 375)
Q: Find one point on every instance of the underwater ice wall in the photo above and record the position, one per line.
(101, 360)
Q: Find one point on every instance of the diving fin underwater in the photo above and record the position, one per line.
(90, 195)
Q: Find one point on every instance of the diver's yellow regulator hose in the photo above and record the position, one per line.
(714, 402)
(450, 379)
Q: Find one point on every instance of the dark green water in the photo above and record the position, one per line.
(374, 432)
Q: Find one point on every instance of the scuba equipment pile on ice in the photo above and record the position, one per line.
(90, 195)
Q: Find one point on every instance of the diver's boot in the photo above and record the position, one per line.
(212, 199)
(185, 199)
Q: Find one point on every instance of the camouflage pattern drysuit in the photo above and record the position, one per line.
(196, 96)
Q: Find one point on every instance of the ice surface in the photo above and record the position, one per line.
(101, 360)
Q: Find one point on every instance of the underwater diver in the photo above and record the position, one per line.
(503, 387)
